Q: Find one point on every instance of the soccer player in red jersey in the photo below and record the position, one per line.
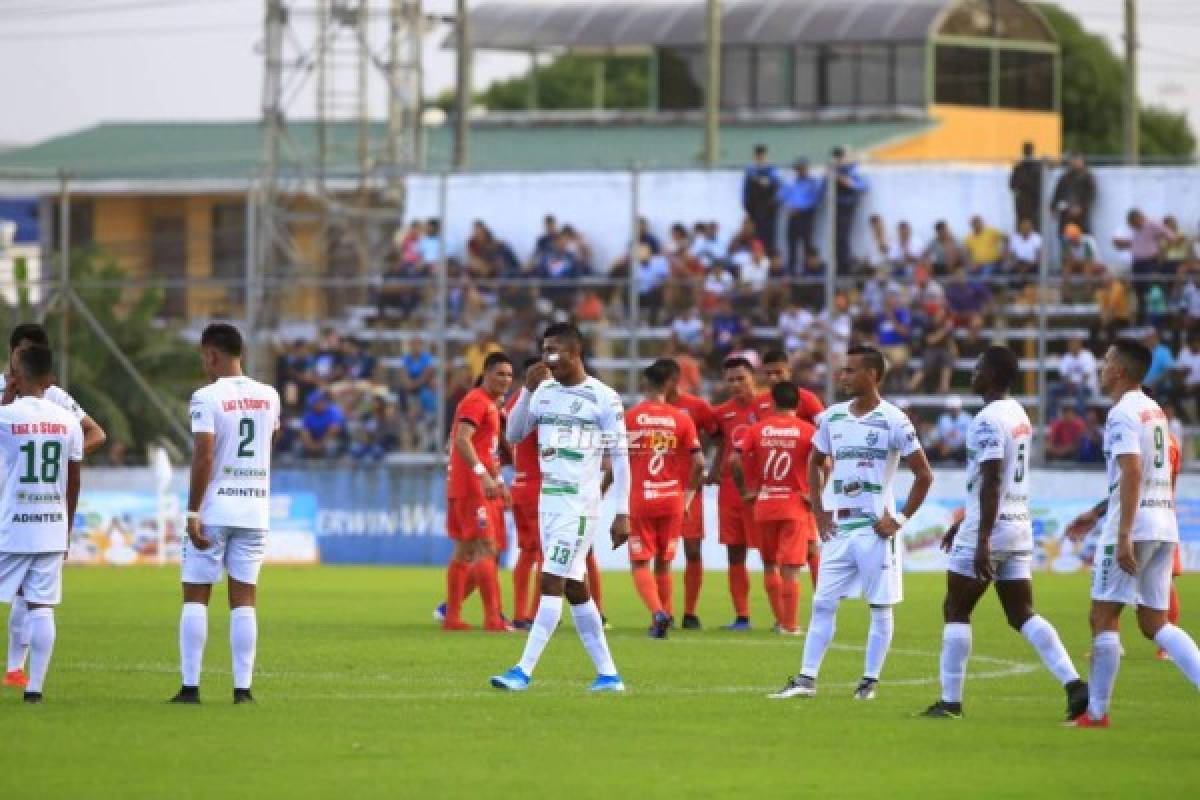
(772, 473)
(776, 369)
(474, 495)
(667, 466)
(745, 407)
(705, 420)
(526, 485)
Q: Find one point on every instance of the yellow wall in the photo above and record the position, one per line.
(962, 133)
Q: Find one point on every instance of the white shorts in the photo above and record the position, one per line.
(566, 540)
(37, 576)
(1007, 565)
(1151, 587)
(239, 551)
(861, 564)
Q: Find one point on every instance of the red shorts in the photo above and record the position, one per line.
(1177, 568)
(651, 537)
(499, 526)
(469, 518)
(529, 534)
(785, 541)
(737, 525)
(693, 523)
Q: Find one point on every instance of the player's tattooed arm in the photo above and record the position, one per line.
(94, 436)
(715, 472)
(1131, 490)
(739, 477)
(203, 450)
(466, 450)
(695, 481)
(1082, 525)
(918, 463)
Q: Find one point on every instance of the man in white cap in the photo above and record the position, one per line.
(951, 436)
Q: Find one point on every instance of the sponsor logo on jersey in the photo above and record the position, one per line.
(229, 491)
(852, 453)
(575, 406)
(771, 430)
(245, 404)
(872, 438)
(548, 453)
(36, 498)
(38, 519)
(650, 419)
(244, 472)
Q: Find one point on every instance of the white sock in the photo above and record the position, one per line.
(193, 632)
(243, 642)
(879, 639)
(41, 646)
(544, 622)
(956, 649)
(18, 633)
(590, 626)
(1106, 660)
(1182, 650)
(821, 626)
(1044, 638)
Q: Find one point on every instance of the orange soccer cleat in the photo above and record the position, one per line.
(1086, 721)
(16, 678)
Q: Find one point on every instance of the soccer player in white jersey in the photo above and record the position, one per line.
(994, 540)
(1139, 532)
(578, 421)
(234, 421)
(23, 335)
(865, 437)
(37, 502)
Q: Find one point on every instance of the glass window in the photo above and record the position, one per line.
(805, 77)
(1026, 80)
(910, 74)
(1004, 19)
(680, 78)
(840, 78)
(229, 246)
(963, 75)
(168, 257)
(772, 78)
(874, 75)
(82, 223)
(735, 78)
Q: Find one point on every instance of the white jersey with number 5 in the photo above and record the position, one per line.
(1136, 425)
(243, 415)
(1000, 432)
(37, 439)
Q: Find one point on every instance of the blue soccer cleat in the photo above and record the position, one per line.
(662, 624)
(607, 683)
(515, 680)
(439, 613)
(739, 624)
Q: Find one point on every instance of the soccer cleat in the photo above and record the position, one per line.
(739, 624)
(797, 686)
(662, 624)
(188, 695)
(242, 696)
(439, 613)
(522, 624)
(16, 678)
(943, 710)
(515, 680)
(1086, 721)
(498, 627)
(604, 621)
(865, 689)
(607, 683)
(1162, 655)
(691, 622)
(33, 698)
(447, 625)
(1077, 700)
(780, 630)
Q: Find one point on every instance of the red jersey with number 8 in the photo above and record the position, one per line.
(662, 439)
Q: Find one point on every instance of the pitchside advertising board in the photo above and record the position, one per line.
(398, 516)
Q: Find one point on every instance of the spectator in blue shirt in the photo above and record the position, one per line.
(322, 426)
(893, 330)
(850, 188)
(950, 441)
(650, 277)
(1160, 363)
(801, 198)
(760, 198)
(560, 269)
(727, 328)
(416, 381)
(359, 364)
(430, 245)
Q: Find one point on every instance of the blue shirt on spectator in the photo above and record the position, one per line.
(430, 249)
(652, 274)
(725, 327)
(318, 422)
(848, 195)
(1160, 363)
(802, 194)
(886, 330)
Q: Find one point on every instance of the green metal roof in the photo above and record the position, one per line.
(233, 150)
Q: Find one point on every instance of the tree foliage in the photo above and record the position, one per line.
(568, 83)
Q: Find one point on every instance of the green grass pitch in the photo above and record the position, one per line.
(361, 696)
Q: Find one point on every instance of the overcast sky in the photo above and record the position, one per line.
(68, 64)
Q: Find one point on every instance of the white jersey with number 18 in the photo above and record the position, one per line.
(243, 415)
(37, 439)
(1000, 432)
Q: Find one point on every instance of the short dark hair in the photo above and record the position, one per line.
(565, 331)
(223, 337)
(786, 396)
(529, 362)
(36, 361)
(30, 332)
(659, 374)
(1135, 358)
(872, 358)
(495, 358)
(672, 367)
(1002, 364)
(774, 356)
(737, 362)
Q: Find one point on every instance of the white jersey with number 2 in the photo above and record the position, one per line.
(1137, 425)
(37, 439)
(243, 415)
(1000, 432)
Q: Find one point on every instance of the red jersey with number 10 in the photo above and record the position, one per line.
(662, 439)
(775, 462)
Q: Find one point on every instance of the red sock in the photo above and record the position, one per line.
(489, 590)
(593, 582)
(456, 590)
(739, 589)
(814, 564)
(789, 594)
(526, 559)
(774, 587)
(647, 589)
(666, 588)
(693, 579)
(1173, 605)
(470, 585)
